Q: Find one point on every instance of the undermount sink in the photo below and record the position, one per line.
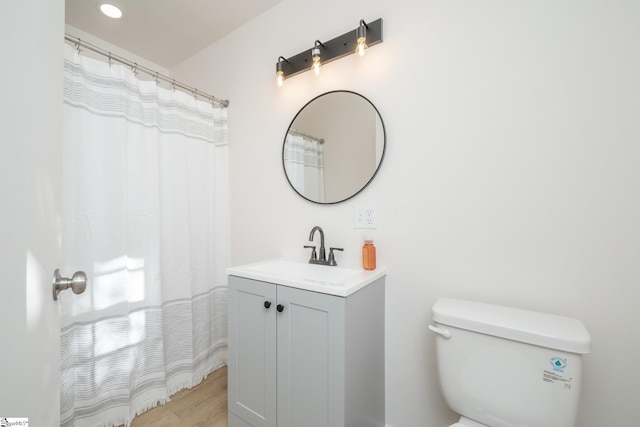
(340, 281)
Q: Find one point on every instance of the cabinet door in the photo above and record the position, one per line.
(311, 364)
(252, 351)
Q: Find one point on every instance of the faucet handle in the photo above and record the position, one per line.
(314, 255)
(332, 258)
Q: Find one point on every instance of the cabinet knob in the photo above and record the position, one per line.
(280, 307)
(267, 304)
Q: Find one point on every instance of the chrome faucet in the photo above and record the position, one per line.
(322, 258)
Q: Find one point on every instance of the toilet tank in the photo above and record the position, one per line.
(507, 367)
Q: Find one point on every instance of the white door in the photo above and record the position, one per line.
(31, 41)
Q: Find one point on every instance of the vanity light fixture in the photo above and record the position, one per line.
(315, 56)
(361, 38)
(354, 41)
(280, 72)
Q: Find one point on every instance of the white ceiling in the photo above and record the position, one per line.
(165, 32)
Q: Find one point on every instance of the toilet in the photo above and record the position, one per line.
(507, 367)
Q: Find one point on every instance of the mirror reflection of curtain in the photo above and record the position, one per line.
(304, 165)
(145, 215)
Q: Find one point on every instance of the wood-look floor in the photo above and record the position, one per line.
(205, 405)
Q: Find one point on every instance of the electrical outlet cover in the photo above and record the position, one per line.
(364, 217)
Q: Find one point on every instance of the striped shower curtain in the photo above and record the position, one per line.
(145, 215)
(304, 165)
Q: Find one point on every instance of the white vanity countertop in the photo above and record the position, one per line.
(338, 281)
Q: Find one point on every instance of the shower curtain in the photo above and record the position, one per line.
(304, 165)
(145, 215)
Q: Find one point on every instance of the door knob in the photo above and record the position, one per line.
(77, 283)
(280, 307)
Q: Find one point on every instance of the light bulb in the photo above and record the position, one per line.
(361, 37)
(315, 55)
(362, 45)
(280, 71)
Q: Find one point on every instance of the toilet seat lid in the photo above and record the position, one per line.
(531, 327)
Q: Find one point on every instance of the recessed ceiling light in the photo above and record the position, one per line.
(110, 9)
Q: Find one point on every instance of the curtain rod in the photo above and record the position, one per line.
(306, 135)
(137, 67)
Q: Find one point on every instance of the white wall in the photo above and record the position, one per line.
(511, 174)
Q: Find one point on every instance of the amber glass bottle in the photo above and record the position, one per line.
(368, 255)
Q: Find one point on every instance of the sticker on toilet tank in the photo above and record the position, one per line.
(557, 375)
(557, 378)
(558, 364)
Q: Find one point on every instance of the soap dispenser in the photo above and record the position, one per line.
(368, 255)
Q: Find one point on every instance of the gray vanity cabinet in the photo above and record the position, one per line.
(299, 358)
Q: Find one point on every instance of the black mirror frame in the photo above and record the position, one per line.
(384, 147)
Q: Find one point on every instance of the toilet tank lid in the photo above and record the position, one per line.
(532, 327)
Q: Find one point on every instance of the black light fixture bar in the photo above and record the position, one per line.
(333, 49)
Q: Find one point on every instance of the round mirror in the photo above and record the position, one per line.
(334, 147)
